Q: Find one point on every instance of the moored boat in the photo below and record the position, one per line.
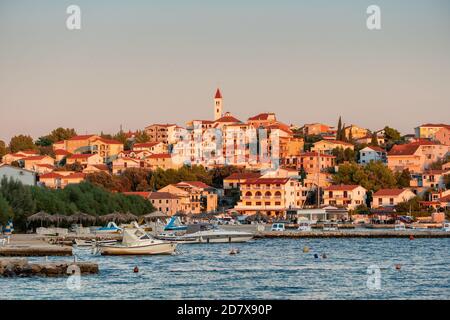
(208, 233)
(137, 242)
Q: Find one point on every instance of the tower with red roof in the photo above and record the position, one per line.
(218, 105)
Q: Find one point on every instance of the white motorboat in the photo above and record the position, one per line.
(173, 237)
(446, 227)
(137, 242)
(208, 233)
(399, 226)
(304, 226)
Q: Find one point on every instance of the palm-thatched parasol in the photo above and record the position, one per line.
(58, 218)
(119, 217)
(155, 215)
(80, 216)
(40, 216)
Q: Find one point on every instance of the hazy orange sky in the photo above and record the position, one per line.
(134, 63)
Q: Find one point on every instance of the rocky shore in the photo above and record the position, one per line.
(12, 267)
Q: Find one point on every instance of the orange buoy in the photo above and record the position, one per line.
(398, 266)
(136, 269)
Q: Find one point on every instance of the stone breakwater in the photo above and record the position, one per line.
(39, 250)
(12, 267)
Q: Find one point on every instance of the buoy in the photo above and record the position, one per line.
(232, 251)
(305, 249)
(411, 237)
(324, 256)
(316, 256)
(136, 269)
(398, 266)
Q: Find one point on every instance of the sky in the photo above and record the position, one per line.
(134, 63)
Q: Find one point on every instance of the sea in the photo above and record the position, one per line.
(320, 268)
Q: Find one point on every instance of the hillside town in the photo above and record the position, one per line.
(226, 165)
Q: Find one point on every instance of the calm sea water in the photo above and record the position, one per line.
(265, 269)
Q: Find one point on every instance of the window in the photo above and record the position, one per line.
(391, 201)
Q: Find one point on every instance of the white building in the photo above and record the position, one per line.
(372, 153)
(27, 177)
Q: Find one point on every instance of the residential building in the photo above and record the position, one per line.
(26, 177)
(91, 143)
(12, 157)
(443, 136)
(290, 146)
(348, 196)
(262, 119)
(30, 163)
(416, 156)
(355, 132)
(163, 161)
(429, 130)
(95, 168)
(60, 154)
(121, 164)
(391, 197)
(310, 129)
(429, 179)
(372, 153)
(161, 132)
(195, 196)
(272, 196)
(167, 202)
(310, 162)
(151, 147)
(327, 146)
(84, 159)
(60, 180)
(234, 181)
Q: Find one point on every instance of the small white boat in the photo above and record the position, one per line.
(137, 242)
(172, 237)
(399, 226)
(208, 233)
(304, 226)
(446, 227)
(330, 226)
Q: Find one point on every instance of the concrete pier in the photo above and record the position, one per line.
(353, 234)
(11, 267)
(27, 245)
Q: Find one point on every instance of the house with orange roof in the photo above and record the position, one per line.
(166, 202)
(85, 159)
(106, 148)
(91, 143)
(443, 136)
(119, 165)
(165, 133)
(59, 145)
(262, 119)
(271, 196)
(391, 197)
(429, 130)
(94, 168)
(416, 156)
(310, 162)
(327, 146)
(43, 168)
(163, 161)
(196, 196)
(51, 180)
(60, 154)
(433, 179)
(12, 157)
(150, 147)
(73, 178)
(310, 129)
(234, 181)
(355, 132)
(372, 154)
(348, 196)
(30, 163)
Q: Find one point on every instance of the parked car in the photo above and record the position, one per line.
(277, 227)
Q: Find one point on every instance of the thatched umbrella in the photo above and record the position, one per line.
(155, 215)
(58, 218)
(80, 216)
(119, 217)
(40, 216)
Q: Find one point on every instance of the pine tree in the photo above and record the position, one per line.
(374, 141)
(339, 129)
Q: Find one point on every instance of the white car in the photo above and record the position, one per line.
(278, 227)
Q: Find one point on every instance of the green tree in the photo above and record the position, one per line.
(60, 134)
(3, 150)
(339, 129)
(391, 134)
(374, 140)
(6, 212)
(120, 136)
(21, 142)
(44, 141)
(403, 178)
(142, 137)
(447, 181)
(412, 205)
